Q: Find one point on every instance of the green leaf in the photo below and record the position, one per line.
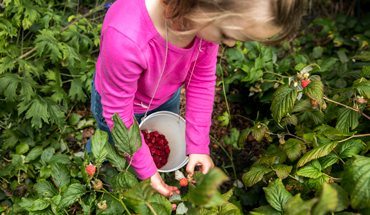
(46, 189)
(18, 161)
(22, 148)
(310, 170)
(74, 119)
(34, 153)
(355, 181)
(259, 131)
(60, 158)
(327, 64)
(233, 139)
(6, 64)
(140, 193)
(293, 148)
(40, 204)
(277, 195)
(73, 192)
(48, 45)
(328, 160)
(343, 200)
(225, 118)
(243, 136)
(316, 116)
(350, 147)
(13, 84)
(328, 200)
(38, 110)
(342, 56)
(283, 102)
(124, 180)
(291, 120)
(318, 182)
(158, 198)
(114, 158)
(181, 209)
(47, 154)
(282, 170)
(60, 174)
(317, 52)
(347, 119)
(265, 210)
(26, 203)
(205, 190)
(315, 153)
(127, 141)
(98, 143)
(364, 72)
(158, 208)
(296, 206)
(76, 90)
(315, 90)
(365, 56)
(228, 194)
(362, 86)
(255, 174)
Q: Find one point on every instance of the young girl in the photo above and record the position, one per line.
(150, 48)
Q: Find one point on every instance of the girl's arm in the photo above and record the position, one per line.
(199, 100)
(121, 63)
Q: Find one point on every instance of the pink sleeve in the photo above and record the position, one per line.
(199, 100)
(122, 62)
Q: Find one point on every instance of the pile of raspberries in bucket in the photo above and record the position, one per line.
(158, 146)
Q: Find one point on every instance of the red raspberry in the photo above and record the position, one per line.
(156, 159)
(161, 147)
(165, 156)
(184, 182)
(161, 141)
(159, 165)
(174, 207)
(163, 161)
(156, 134)
(165, 142)
(162, 153)
(305, 83)
(162, 136)
(90, 169)
(167, 151)
(153, 141)
(151, 134)
(166, 147)
(147, 136)
(157, 152)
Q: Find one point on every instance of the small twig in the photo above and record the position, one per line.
(339, 156)
(283, 76)
(358, 111)
(354, 136)
(75, 76)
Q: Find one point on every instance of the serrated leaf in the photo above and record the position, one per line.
(127, 141)
(140, 193)
(282, 170)
(283, 102)
(316, 116)
(316, 153)
(124, 180)
(343, 200)
(206, 189)
(15, 87)
(22, 148)
(73, 192)
(255, 174)
(318, 182)
(46, 189)
(364, 72)
(181, 209)
(40, 204)
(48, 45)
(315, 90)
(98, 141)
(233, 139)
(355, 181)
(350, 147)
(225, 118)
(157, 198)
(293, 148)
(34, 153)
(362, 86)
(228, 194)
(296, 206)
(158, 208)
(291, 120)
(114, 158)
(365, 56)
(317, 52)
(60, 174)
(277, 195)
(328, 200)
(347, 119)
(47, 154)
(311, 170)
(175, 198)
(243, 136)
(258, 132)
(328, 160)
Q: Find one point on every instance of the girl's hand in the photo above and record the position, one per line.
(202, 160)
(162, 188)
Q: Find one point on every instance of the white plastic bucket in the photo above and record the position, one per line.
(173, 127)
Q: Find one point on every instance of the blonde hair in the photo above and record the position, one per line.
(286, 14)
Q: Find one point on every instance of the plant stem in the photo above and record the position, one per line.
(244, 118)
(129, 163)
(66, 211)
(296, 137)
(76, 76)
(228, 155)
(151, 208)
(5, 180)
(123, 204)
(358, 111)
(354, 136)
(223, 83)
(339, 157)
(283, 76)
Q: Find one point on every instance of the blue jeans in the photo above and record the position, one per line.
(172, 104)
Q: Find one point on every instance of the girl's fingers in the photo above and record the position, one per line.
(177, 191)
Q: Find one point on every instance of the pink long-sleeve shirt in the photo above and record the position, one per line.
(130, 62)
